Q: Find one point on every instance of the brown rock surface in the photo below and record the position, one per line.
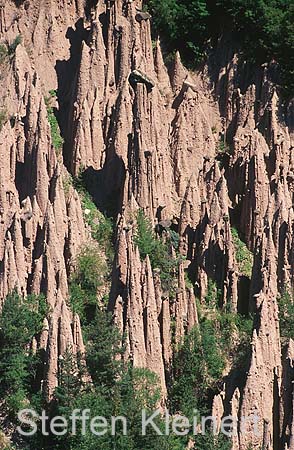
(156, 148)
(37, 221)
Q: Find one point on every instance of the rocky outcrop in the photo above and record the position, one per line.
(41, 224)
(151, 318)
(201, 151)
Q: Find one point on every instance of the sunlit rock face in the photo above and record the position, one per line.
(202, 151)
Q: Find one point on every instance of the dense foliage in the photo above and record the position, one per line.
(101, 380)
(222, 339)
(158, 249)
(94, 261)
(90, 274)
(193, 27)
(21, 320)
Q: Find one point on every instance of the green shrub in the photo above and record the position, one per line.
(3, 53)
(91, 268)
(235, 331)
(286, 307)
(198, 365)
(223, 147)
(174, 239)
(101, 226)
(188, 385)
(94, 262)
(13, 46)
(70, 380)
(195, 26)
(104, 349)
(214, 360)
(158, 251)
(220, 339)
(21, 319)
(210, 442)
(213, 295)
(90, 274)
(188, 282)
(57, 139)
(67, 183)
(3, 117)
(183, 23)
(244, 257)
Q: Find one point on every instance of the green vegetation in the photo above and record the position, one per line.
(213, 295)
(3, 53)
(90, 268)
(13, 46)
(202, 357)
(104, 360)
(67, 183)
(90, 274)
(94, 261)
(158, 250)
(222, 339)
(3, 117)
(100, 225)
(21, 319)
(235, 331)
(223, 147)
(195, 371)
(286, 306)
(116, 389)
(243, 256)
(211, 442)
(230, 328)
(8, 49)
(57, 140)
(194, 26)
(183, 23)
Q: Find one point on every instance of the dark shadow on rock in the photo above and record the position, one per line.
(89, 7)
(243, 295)
(106, 186)
(66, 71)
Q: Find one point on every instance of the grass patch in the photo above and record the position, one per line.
(67, 183)
(213, 295)
(244, 257)
(158, 250)
(100, 225)
(14, 44)
(286, 306)
(57, 139)
(3, 53)
(223, 147)
(3, 117)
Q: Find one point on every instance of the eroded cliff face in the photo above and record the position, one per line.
(149, 138)
(41, 224)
